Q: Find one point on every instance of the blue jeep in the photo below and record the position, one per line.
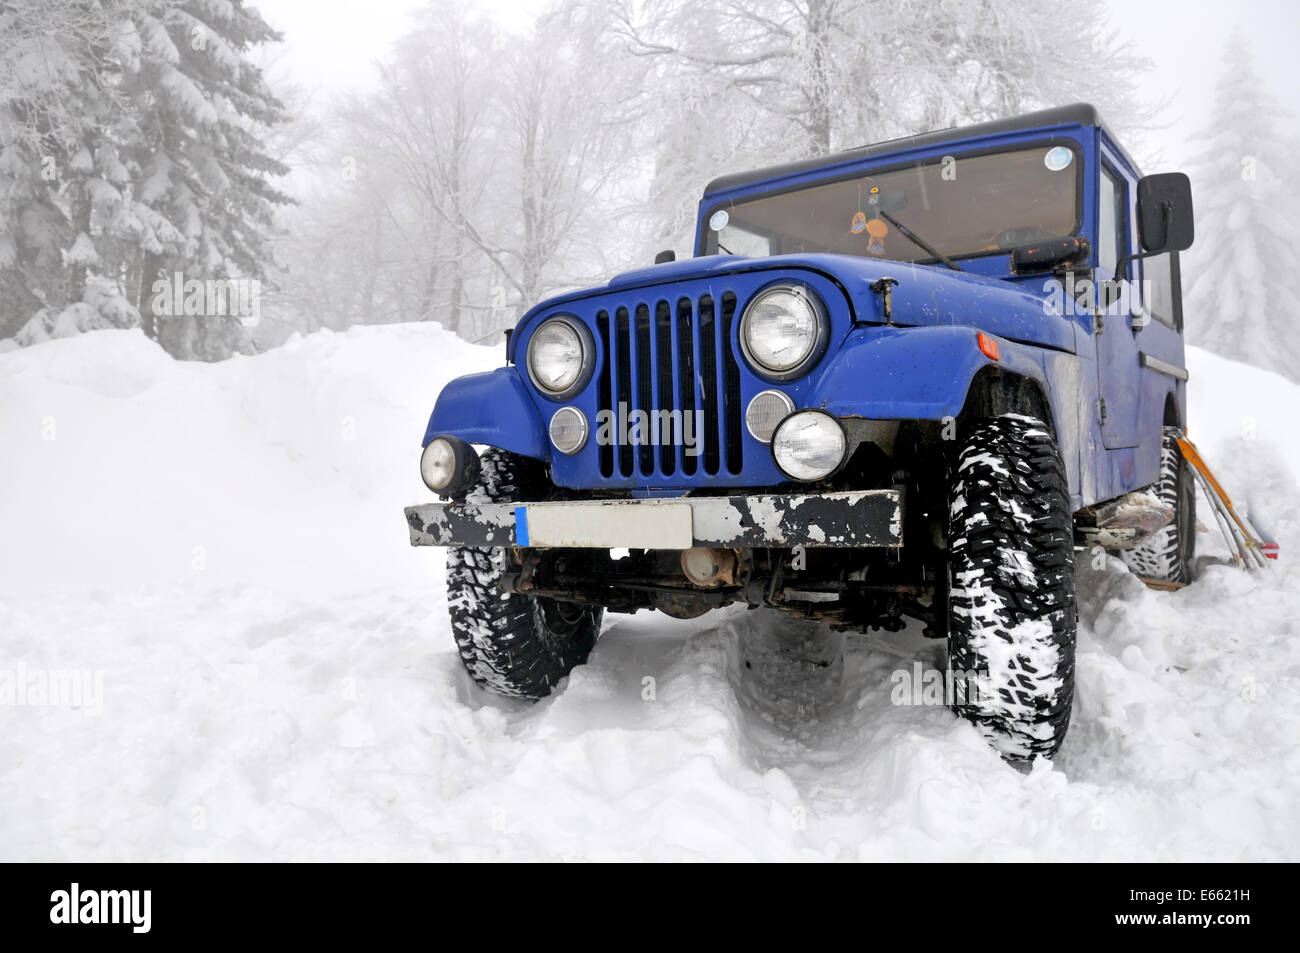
(904, 381)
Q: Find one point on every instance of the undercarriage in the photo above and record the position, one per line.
(855, 589)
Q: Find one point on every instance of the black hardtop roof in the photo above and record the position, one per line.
(1077, 114)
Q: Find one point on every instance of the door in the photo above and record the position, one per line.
(1117, 349)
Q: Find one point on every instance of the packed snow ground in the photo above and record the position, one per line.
(225, 544)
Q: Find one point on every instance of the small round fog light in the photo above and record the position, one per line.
(809, 446)
(569, 430)
(765, 411)
(449, 466)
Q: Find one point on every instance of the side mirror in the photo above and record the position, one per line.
(665, 256)
(1164, 205)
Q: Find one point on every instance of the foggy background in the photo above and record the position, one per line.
(435, 160)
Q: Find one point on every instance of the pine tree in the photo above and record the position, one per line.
(130, 149)
(203, 197)
(1240, 300)
(54, 100)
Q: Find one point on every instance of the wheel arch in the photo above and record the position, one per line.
(1173, 413)
(491, 408)
(994, 391)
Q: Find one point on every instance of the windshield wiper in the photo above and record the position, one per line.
(917, 239)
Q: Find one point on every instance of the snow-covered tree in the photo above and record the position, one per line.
(1239, 277)
(131, 150)
(361, 247)
(203, 201)
(776, 80)
(380, 235)
(547, 217)
(54, 100)
(832, 74)
(476, 179)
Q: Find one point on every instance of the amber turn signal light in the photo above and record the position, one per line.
(988, 345)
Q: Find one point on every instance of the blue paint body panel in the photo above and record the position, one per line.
(919, 367)
(494, 408)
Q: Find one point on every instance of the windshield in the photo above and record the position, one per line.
(959, 205)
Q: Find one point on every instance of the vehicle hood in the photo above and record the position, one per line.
(926, 295)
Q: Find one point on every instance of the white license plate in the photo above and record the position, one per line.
(641, 525)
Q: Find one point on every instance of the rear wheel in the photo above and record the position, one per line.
(1166, 556)
(514, 645)
(1011, 614)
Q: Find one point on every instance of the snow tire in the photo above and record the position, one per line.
(514, 645)
(1012, 614)
(1168, 554)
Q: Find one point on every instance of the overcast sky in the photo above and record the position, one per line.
(331, 45)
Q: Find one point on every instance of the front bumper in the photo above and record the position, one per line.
(859, 518)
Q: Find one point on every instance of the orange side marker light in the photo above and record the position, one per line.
(988, 345)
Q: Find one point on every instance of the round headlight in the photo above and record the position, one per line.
(569, 430)
(782, 330)
(437, 464)
(765, 411)
(809, 446)
(449, 466)
(557, 357)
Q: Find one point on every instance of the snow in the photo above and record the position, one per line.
(224, 545)
(82, 251)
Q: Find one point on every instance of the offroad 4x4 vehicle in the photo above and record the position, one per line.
(902, 381)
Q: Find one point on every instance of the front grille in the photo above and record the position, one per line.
(670, 359)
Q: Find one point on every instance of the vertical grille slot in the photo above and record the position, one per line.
(604, 392)
(666, 385)
(731, 388)
(623, 392)
(686, 376)
(644, 390)
(707, 336)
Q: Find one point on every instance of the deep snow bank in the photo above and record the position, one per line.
(287, 470)
(225, 545)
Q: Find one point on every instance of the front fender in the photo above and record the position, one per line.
(917, 373)
(491, 408)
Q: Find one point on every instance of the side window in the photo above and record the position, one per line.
(1111, 221)
(1158, 289)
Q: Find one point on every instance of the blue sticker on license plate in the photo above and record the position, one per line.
(521, 526)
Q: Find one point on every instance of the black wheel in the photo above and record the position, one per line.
(514, 645)
(1011, 614)
(1166, 556)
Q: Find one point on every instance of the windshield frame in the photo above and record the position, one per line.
(706, 243)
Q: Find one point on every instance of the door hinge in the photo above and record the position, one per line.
(1101, 409)
(1098, 322)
